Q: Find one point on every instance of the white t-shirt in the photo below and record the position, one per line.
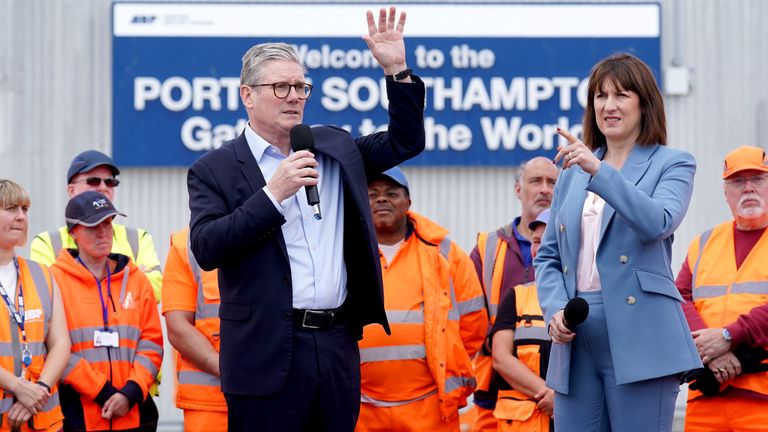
(8, 279)
(389, 251)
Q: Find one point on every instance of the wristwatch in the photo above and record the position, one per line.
(400, 75)
(727, 335)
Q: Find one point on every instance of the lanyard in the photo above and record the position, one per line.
(18, 314)
(101, 296)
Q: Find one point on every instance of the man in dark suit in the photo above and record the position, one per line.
(296, 291)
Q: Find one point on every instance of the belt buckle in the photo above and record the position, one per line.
(307, 313)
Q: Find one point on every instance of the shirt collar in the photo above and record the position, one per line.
(256, 143)
(518, 236)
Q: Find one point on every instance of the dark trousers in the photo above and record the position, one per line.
(321, 391)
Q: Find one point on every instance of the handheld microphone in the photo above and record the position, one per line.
(302, 139)
(575, 312)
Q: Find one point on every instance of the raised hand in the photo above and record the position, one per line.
(576, 153)
(386, 41)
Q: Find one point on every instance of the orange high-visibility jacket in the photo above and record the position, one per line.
(493, 251)
(721, 292)
(37, 284)
(188, 288)
(454, 319)
(532, 348)
(98, 372)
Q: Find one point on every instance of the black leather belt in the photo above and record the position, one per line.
(318, 319)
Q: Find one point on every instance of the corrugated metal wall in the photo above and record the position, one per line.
(55, 101)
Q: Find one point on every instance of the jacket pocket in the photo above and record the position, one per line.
(234, 312)
(658, 284)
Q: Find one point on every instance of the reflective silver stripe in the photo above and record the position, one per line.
(124, 287)
(207, 310)
(6, 403)
(456, 382)
(703, 239)
(85, 334)
(96, 355)
(198, 378)
(41, 285)
(74, 358)
(471, 305)
(445, 250)
(398, 352)
(133, 241)
(7, 349)
(56, 243)
(147, 363)
(749, 288)
(536, 333)
(364, 398)
(489, 262)
(146, 345)
(203, 310)
(153, 269)
(492, 309)
(406, 317)
(710, 291)
(52, 403)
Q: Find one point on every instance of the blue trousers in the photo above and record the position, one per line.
(595, 402)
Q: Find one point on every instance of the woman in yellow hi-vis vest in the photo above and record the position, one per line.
(34, 344)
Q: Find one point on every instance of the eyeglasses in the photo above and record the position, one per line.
(283, 89)
(96, 181)
(741, 182)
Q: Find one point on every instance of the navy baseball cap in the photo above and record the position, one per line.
(89, 160)
(88, 209)
(396, 175)
(542, 218)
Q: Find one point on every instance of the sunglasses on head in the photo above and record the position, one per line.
(96, 181)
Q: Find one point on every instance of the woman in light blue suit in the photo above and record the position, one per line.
(617, 203)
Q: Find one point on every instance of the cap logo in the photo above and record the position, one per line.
(100, 204)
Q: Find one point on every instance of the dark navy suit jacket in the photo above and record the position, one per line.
(236, 228)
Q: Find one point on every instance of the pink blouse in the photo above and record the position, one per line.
(587, 276)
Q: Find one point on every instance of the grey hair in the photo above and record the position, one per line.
(258, 55)
(519, 172)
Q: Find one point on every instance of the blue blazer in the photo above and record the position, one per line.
(236, 228)
(644, 204)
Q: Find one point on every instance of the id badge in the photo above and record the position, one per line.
(106, 338)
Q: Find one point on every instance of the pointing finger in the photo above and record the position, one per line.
(565, 134)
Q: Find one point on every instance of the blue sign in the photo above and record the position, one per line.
(496, 89)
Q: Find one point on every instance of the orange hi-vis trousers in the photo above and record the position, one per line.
(726, 414)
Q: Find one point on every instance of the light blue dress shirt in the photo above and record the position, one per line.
(315, 247)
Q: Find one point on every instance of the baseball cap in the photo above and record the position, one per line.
(745, 158)
(542, 218)
(396, 175)
(89, 160)
(89, 209)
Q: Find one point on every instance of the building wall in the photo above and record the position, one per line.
(55, 101)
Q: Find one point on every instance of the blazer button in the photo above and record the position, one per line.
(631, 300)
(287, 316)
(286, 280)
(623, 259)
(562, 228)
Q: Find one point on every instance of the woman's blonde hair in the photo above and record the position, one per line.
(13, 194)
